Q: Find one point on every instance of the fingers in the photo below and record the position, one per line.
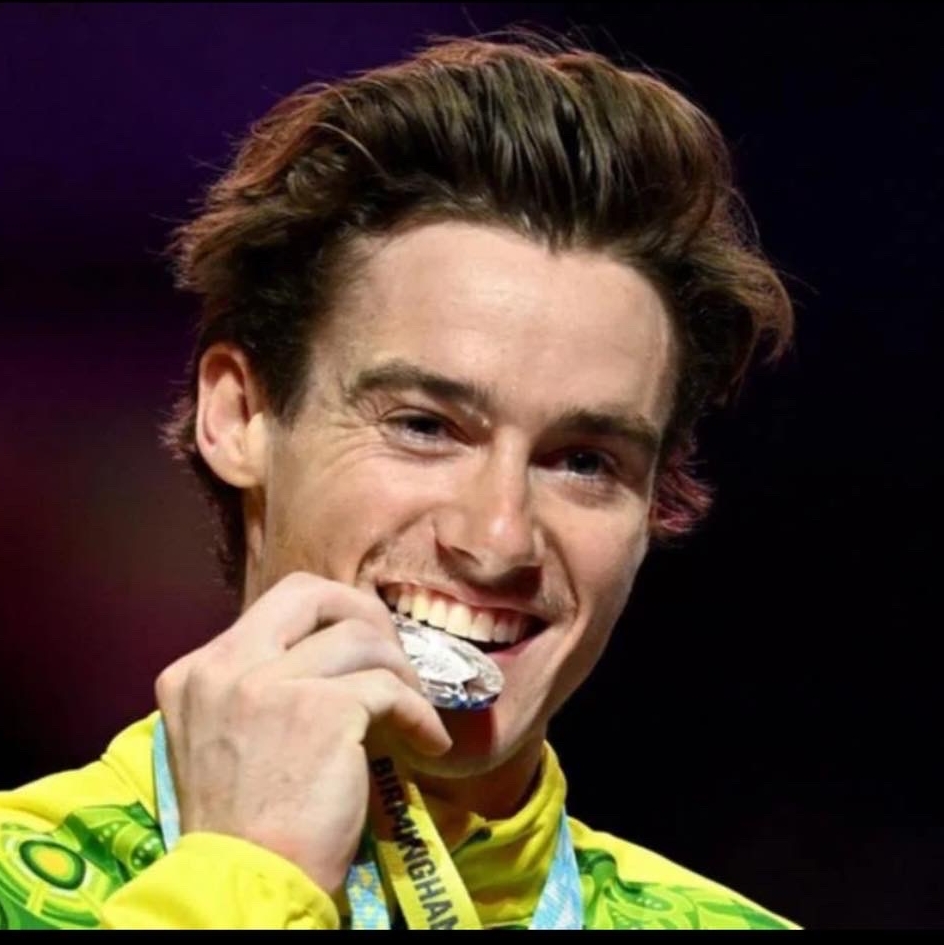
(347, 647)
(307, 629)
(268, 723)
(297, 606)
(387, 701)
(290, 612)
(326, 714)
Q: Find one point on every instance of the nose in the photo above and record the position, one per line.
(488, 529)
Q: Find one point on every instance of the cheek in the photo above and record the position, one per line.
(604, 579)
(606, 563)
(331, 522)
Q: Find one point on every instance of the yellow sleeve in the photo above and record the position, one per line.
(103, 866)
(82, 849)
(211, 881)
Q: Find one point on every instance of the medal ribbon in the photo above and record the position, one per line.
(424, 878)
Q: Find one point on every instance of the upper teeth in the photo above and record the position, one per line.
(461, 620)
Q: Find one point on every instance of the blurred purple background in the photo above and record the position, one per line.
(769, 697)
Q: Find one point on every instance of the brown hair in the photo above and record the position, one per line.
(558, 144)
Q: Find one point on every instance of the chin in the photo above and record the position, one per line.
(480, 745)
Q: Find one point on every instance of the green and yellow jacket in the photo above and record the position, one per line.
(83, 849)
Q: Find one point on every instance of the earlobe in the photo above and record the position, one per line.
(231, 429)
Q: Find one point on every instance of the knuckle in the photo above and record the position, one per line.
(378, 609)
(217, 653)
(248, 694)
(393, 654)
(171, 681)
(362, 633)
(388, 681)
(301, 582)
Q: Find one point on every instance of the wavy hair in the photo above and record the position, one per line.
(558, 144)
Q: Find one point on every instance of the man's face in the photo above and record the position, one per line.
(478, 447)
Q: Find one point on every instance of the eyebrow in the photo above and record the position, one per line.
(397, 374)
(610, 422)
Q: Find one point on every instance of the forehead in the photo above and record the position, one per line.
(496, 309)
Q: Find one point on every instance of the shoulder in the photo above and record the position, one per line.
(121, 776)
(627, 886)
(69, 840)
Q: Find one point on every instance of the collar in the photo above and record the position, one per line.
(504, 863)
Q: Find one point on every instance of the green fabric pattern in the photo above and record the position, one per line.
(614, 903)
(60, 878)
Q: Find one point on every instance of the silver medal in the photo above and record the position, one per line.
(454, 674)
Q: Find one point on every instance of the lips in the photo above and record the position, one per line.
(487, 627)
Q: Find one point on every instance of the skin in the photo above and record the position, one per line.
(533, 495)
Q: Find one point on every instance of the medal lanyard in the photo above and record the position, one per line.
(414, 857)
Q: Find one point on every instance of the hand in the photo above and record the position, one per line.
(266, 724)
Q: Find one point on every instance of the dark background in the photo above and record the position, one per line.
(768, 713)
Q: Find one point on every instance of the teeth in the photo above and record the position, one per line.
(458, 619)
(482, 627)
(437, 613)
(503, 632)
(420, 605)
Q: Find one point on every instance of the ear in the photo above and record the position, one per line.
(232, 424)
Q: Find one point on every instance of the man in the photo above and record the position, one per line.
(459, 319)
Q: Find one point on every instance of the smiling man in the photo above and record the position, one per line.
(460, 316)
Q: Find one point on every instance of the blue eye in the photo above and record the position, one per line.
(418, 428)
(586, 463)
(421, 425)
